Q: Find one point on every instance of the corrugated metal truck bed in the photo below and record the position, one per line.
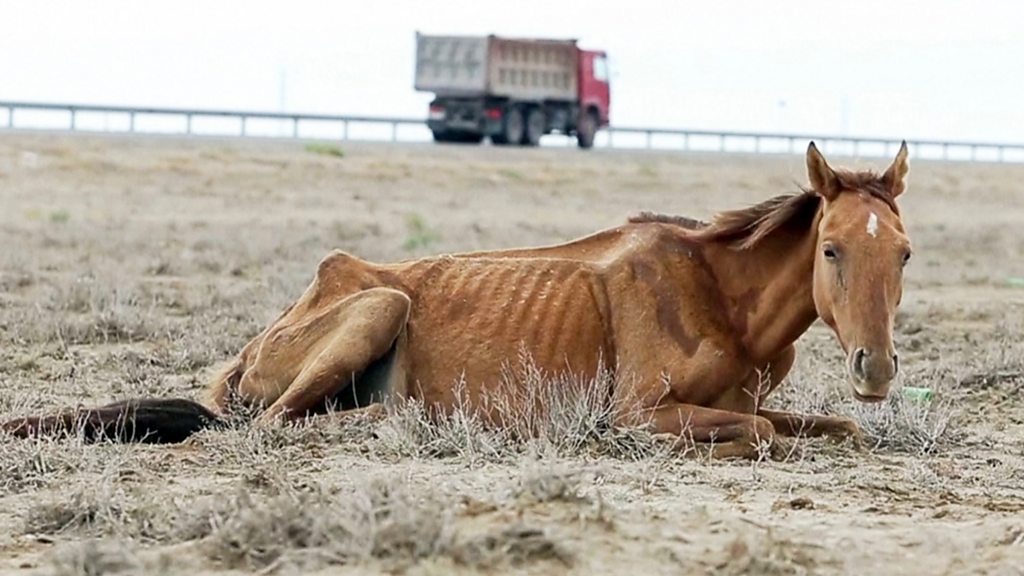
(519, 69)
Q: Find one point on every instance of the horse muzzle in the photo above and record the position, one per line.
(871, 374)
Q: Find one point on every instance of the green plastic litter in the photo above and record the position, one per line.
(921, 394)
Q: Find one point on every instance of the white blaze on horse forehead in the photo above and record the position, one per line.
(873, 225)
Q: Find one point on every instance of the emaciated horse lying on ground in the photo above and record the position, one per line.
(696, 321)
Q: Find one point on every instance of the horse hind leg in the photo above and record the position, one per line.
(384, 377)
(358, 359)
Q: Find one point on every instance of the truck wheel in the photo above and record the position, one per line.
(536, 123)
(512, 128)
(586, 131)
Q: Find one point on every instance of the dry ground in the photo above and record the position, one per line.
(133, 266)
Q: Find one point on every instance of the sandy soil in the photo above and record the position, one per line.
(132, 266)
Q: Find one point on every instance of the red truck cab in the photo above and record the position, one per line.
(594, 96)
(595, 91)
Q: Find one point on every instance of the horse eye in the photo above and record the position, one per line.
(906, 258)
(830, 253)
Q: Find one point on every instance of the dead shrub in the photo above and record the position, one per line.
(533, 413)
(411, 429)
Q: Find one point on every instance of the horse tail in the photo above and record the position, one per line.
(150, 420)
(223, 386)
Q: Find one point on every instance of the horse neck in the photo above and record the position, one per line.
(769, 290)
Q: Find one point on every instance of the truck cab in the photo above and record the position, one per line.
(595, 90)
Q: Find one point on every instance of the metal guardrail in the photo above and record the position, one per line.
(189, 114)
(858, 143)
(756, 142)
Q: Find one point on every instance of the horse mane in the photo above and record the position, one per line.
(746, 227)
(681, 221)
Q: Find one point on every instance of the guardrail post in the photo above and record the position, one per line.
(721, 142)
(295, 127)
(344, 129)
(1001, 149)
(131, 121)
(188, 124)
(245, 120)
(394, 131)
(72, 110)
(757, 144)
(686, 141)
(792, 145)
(648, 139)
(974, 152)
(10, 117)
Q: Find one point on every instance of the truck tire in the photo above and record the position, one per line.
(536, 124)
(512, 127)
(586, 130)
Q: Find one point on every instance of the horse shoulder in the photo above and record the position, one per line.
(668, 313)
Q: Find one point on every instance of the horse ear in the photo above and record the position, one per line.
(895, 177)
(823, 178)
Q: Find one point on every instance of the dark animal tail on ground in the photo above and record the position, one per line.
(148, 420)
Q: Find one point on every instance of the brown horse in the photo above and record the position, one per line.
(696, 321)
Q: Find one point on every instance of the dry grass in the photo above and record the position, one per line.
(165, 258)
(766, 554)
(98, 557)
(535, 414)
(385, 521)
(900, 424)
(273, 521)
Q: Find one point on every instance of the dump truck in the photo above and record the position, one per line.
(512, 90)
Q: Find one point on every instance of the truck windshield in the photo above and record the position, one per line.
(601, 68)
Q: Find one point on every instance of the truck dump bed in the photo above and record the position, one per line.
(497, 67)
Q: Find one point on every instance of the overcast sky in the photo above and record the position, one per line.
(928, 69)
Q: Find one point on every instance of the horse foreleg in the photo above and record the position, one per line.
(791, 424)
(725, 434)
(368, 324)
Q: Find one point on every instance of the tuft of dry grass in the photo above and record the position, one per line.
(560, 415)
(413, 430)
(566, 414)
(383, 520)
(36, 463)
(98, 557)
(544, 482)
(515, 545)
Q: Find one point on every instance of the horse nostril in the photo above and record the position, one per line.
(895, 363)
(859, 356)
